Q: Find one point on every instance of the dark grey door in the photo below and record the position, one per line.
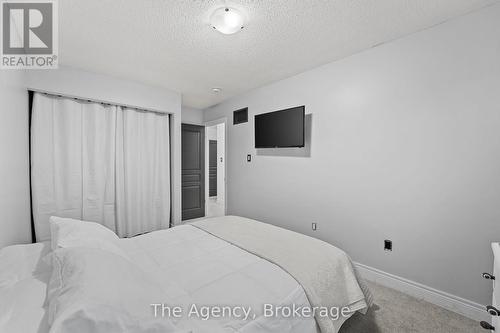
(212, 168)
(193, 171)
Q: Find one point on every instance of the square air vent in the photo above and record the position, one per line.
(240, 116)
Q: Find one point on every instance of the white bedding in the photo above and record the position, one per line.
(190, 265)
(23, 284)
(325, 272)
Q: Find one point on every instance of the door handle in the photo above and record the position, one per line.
(488, 276)
(487, 326)
(492, 310)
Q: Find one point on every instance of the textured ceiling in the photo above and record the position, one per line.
(169, 43)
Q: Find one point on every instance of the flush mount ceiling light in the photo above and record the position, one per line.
(227, 20)
(216, 90)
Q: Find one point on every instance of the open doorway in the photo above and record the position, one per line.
(215, 173)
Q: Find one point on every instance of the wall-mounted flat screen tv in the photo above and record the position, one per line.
(280, 129)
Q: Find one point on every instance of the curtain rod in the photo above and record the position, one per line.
(84, 99)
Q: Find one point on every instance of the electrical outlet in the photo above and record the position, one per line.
(314, 226)
(387, 245)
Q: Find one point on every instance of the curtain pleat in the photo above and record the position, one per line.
(100, 163)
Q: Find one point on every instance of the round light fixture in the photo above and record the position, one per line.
(227, 20)
(216, 90)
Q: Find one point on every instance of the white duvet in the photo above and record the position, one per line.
(190, 266)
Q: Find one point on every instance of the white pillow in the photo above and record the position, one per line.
(96, 291)
(66, 232)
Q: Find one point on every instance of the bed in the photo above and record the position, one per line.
(205, 263)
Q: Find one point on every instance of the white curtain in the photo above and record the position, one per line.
(142, 185)
(99, 163)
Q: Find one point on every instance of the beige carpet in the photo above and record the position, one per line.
(395, 312)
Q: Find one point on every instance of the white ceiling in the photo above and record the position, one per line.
(169, 43)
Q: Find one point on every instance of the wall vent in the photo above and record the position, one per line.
(240, 116)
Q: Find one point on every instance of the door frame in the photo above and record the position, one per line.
(203, 173)
(214, 122)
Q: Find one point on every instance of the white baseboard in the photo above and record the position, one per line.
(450, 302)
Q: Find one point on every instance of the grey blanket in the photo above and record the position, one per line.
(325, 272)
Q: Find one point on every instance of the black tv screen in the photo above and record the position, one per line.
(280, 129)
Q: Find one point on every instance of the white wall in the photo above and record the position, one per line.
(211, 133)
(76, 83)
(192, 116)
(15, 218)
(405, 145)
